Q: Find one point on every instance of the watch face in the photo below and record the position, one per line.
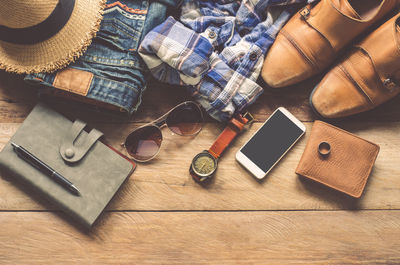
(204, 164)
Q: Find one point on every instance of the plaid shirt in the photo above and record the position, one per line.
(217, 50)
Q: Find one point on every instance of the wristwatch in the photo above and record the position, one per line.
(205, 163)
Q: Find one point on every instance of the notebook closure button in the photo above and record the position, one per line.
(69, 153)
(77, 143)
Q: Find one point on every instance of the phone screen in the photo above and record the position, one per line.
(271, 141)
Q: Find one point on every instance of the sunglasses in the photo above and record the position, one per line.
(143, 144)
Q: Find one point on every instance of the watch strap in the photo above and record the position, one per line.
(234, 127)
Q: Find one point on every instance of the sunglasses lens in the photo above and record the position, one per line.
(186, 119)
(144, 143)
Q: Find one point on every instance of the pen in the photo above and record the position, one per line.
(37, 163)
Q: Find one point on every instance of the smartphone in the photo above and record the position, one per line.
(270, 143)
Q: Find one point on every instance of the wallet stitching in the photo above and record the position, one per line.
(375, 155)
(364, 178)
(334, 127)
(330, 186)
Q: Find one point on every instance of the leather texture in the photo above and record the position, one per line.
(234, 127)
(367, 77)
(73, 80)
(97, 175)
(313, 38)
(348, 165)
(75, 146)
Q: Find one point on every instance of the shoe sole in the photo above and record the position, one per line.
(312, 106)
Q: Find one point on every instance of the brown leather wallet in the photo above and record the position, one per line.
(338, 159)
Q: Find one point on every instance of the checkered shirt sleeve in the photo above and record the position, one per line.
(216, 50)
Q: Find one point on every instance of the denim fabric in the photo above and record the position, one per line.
(118, 71)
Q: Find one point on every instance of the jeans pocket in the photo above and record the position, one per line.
(117, 35)
(117, 41)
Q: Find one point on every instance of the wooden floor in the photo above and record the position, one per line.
(162, 216)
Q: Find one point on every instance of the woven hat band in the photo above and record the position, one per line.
(42, 31)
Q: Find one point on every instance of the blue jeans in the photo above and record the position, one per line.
(110, 72)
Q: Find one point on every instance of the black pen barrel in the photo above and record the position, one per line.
(60, 178)
(44, 168)
(37, 163)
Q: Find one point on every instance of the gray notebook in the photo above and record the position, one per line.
(95, 169)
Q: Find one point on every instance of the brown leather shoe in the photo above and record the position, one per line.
(312, 38)
(364, 79)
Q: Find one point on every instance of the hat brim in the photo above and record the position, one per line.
(61, 49)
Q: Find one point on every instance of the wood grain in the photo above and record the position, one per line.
(17, 98)
(160, 216)
(204, 237)
(165, 184)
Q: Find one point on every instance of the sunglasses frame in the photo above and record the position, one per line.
(161, 122)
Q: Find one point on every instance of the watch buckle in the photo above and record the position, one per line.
(247, 115)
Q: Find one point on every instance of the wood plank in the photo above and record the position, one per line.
(17, 99)
(204, 237)
(165, 184)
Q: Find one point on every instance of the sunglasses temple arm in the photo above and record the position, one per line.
(159, 123)
(161, 120)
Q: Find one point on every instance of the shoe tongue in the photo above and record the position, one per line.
(345, 7)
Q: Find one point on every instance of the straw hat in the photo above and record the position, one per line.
(46, 35)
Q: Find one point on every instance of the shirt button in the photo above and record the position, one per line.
(253, 56)
(212, 35)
